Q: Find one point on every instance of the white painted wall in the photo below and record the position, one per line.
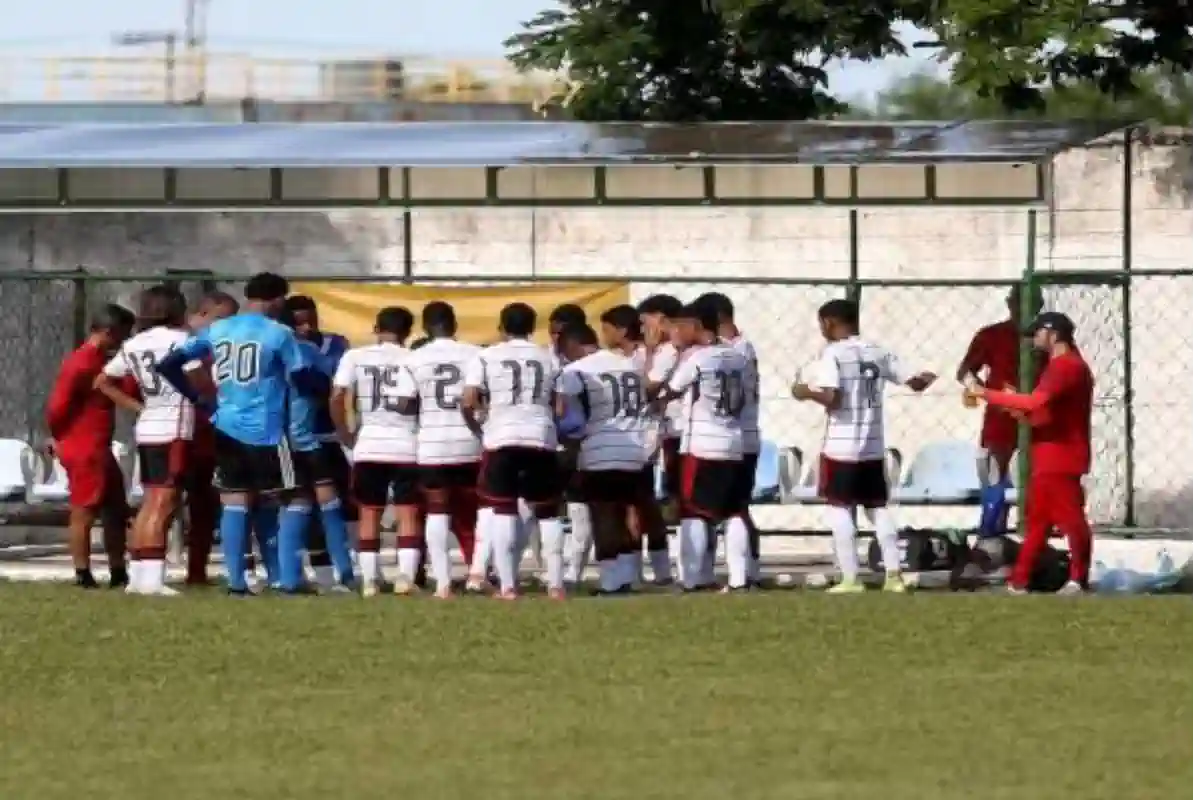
(675, 250)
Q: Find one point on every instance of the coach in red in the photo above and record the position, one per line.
(80, 420)
(1059, 411)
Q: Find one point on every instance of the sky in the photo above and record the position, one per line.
(301, 28)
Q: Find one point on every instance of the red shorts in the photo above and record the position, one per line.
(999, 431)
(93, 479)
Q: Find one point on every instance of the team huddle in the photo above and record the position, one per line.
(252, 408)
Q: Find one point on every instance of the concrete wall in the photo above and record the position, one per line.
(679, 250)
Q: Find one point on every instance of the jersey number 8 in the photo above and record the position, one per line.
(627, 393)
(238, 362)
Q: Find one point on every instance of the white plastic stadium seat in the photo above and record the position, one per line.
(941, 473)
(767, 476)
(16, 470)
(791, 467)
(806, 490)
(53, 489)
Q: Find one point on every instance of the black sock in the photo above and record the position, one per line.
(84, 578)
(118, 576)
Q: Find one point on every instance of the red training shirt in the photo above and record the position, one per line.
(1060, 409)
(80, 418)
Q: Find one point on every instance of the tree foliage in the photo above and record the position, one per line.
(682, 60)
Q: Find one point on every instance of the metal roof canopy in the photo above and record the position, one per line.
(318, 165)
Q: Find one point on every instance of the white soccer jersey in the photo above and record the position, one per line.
(166, 415)
(378, 376)
(612, 393)
(662, 365)
(854, 430)
(712, 378)
(439, 372)
(751, 435)
(519, 378)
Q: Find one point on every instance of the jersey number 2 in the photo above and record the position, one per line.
(237, 362)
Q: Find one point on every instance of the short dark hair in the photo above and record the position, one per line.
(665, 304)
(580, 333)
(111, 316)
(719, 302)
(161, 305)
(219, 298)
(300, 302)
(438, 319)
(706, 315)
(568, 314)
(843, 311)
(518, 319)
(626, 318)
(267, 286)
(396, 320)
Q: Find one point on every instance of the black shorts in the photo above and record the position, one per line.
(568, 471)
(853, 483)
(511, 473)
(378, 484)
(450, 476)
(339, 470)
(746, 478)
(313, 467)
(710, 488)
(163, 465)
(611, 486)
(672, 475)
(647, 483)
(245, 467)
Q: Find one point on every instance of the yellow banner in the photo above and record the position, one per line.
(350, 308)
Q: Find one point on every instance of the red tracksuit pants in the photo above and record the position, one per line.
(1055, 501)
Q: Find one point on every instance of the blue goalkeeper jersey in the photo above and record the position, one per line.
(256, 360)
(306, 410)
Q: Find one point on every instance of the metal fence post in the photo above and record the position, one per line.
(1028, 305)
(1127, 322)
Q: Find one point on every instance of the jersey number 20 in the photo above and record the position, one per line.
(238, 362)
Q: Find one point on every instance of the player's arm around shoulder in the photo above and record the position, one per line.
(107, 382)
(683, 376)
(824, 388)
(473, 404)
(341, 396)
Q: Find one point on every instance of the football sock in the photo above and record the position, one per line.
(294, 520)
(437, 544)
(630, 566)
(660, 565)
(483, 544)
(337, 539)
(845, 544)
(737, 552)
(610, 575)
(368, 561)
(551, 531)
(693, 544)
(889, 540)
(408, 557)
(235, 525)
(522, 536)
(503, 532)
(266, 531)
(579, 548)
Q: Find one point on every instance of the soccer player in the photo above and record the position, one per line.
(993, 359)
(662, 358)
(448, 443)
(611, 393)
(520, 442)
(621, 331)
(331, 347)
(849, 385)
(316, 473)
(711, 382)
(163, 431)
(256, 362)
(561, 318)
(80, 420)
(377, 379)
(731, 335)
(1059, 410)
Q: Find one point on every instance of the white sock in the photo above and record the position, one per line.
(503, 536)
(551, 534)
(150, 574)
(437, 544)
(631, 568)
(522, 534)
(136, 570)
(660, 565)
(889, 540)
(693, 545)
(527, 534)
(407, 560)
(324, 576)
(610, 575)
(368, 565)
(737, 552)
(579, 548)
(483, 543)
(845, 540)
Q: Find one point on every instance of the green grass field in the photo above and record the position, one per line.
(777, 696)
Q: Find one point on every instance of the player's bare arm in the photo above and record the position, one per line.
(826, 397)
(109, 388)
(339, 402)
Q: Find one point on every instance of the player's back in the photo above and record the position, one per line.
(612, 395)
(854, 430)
(379, 377)
(166, 415)
(306, 413)
(439, 370)
(519, 377)
(712, 415)
(751, 436)
(250, 353)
